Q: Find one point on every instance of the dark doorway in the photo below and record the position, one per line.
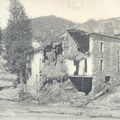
(76, 63)
(82, 84)
(107, 79)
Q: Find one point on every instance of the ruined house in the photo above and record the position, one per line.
(91, 58)
(52, 51)
(36, 67)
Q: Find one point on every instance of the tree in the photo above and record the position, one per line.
(18, 40)
(0, 40)
(0, 35)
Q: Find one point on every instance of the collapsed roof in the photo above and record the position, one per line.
(81, 39)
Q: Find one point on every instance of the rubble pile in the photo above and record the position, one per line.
(64, 93)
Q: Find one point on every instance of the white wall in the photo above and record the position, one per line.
(36, 66)
(81, 67)
(89, 61)
(70, 67)
(35, 44)
(89, 67)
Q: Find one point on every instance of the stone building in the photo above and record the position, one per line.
(91, 57)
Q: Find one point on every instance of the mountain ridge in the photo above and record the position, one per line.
(109, 26)
(48, 28)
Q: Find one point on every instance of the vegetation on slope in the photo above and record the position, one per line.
(49, 28)
(108, 26)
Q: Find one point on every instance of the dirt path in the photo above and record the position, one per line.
(20, 111)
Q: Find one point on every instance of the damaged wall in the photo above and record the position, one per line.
(109, 57)
(70, 48)
(81, 39)
(36, 66)
(70, 51)
(89, 66)
(70, 66)
(103, 59)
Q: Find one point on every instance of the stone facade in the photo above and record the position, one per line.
(106, 54)
(69, 46)
(102, 58)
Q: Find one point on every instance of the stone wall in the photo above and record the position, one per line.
(70, 48)
(110, 56)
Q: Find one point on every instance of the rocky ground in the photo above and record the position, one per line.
(6, 82)
(23, 111)
(110, 100)
(103, 108)
(106, 107)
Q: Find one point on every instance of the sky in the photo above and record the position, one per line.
(78, 11)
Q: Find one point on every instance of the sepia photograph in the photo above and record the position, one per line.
(59, 59)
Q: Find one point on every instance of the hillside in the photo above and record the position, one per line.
(108, 26)
(50, 27)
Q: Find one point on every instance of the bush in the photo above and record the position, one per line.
(25, 96)
(64, 93)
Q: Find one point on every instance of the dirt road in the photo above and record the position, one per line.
(20, 111)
